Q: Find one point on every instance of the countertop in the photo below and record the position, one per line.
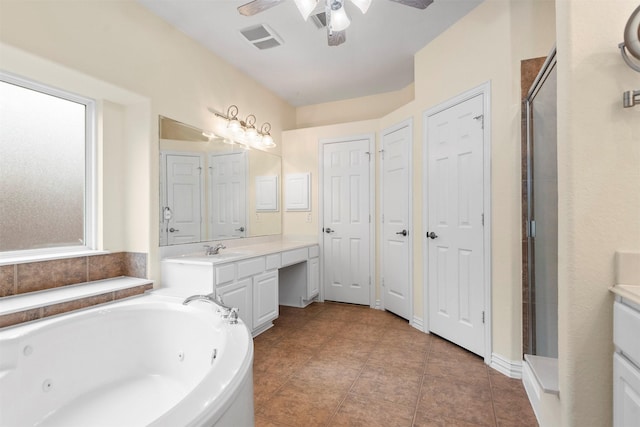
(630, 292)
(237, 253)
(627, 268)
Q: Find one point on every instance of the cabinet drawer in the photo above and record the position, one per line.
(225, 274)
(314, 251)
(295, 256)
(273, 261)
(626, 324)
(250, 267)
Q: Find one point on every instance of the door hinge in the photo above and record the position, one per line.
(532, 229)
(483, 220)
(381, 154)
(483, 317)
(481, 118)
(383, 218)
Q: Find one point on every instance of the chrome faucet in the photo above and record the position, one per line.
(213, 250)
(230, 313)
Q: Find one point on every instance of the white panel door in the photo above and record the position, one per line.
(396, 241)
(346, 221)
(455, 224)
(184, 199)
(227, 196)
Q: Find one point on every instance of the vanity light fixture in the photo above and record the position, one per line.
(245, 131)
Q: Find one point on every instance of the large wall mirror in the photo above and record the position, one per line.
(213, 189)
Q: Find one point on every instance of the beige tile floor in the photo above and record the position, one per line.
(342, 365)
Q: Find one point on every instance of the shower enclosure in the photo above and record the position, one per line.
(541, 223)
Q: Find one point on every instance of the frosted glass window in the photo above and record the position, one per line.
(44, 151)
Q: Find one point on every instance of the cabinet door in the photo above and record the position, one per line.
(239, 295)
(265, 298)
(313, 278)
(626, 393)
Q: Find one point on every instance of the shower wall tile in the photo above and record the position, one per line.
(38, 276)
(7, 280)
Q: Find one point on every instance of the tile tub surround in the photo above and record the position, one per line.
(23, 278)
(338, 364)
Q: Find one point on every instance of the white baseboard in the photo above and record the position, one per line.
(378, 305)
(510, 368)
(417, 323)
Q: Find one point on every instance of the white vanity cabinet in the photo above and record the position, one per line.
(265, 299)
(626, 363)
(257, 282)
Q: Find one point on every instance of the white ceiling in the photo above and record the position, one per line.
(377, 56)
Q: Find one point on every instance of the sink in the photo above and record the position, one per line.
(217, 258)
(226, 255)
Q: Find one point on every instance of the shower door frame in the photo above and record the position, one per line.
(528, 201)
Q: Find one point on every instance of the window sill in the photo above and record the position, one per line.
(48, 256)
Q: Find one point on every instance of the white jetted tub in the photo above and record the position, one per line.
(148, 360)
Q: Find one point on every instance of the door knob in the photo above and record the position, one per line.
(403, 232)
(241, 229)
(432, 235)
(173, 230)
(328, 230)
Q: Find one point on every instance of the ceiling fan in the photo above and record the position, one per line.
(336, 17)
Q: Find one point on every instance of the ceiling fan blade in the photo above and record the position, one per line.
(336, 38)
(257, 6)
(419, 4)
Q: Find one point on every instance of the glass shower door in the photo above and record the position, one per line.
(543, 213)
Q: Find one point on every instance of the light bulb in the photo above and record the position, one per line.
(267, 141)
(234, 125)
(306, 7)
(339, 20)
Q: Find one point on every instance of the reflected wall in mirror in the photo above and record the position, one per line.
(212, 189)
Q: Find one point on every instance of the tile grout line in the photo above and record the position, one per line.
(424, 374)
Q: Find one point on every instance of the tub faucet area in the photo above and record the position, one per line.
(230, 313)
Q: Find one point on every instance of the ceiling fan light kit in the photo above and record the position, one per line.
(306, 7)
(336, 15)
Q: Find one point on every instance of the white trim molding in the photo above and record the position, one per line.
(418, 323)
(510, 368)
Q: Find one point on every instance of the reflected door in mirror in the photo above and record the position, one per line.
(183, 210)
(227, 200)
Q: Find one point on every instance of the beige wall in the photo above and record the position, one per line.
(162, 70)
(300, 154)
(502, 37)
(599, 197)
(353, 110)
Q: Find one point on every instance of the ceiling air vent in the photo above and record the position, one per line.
(319, 20)
(261, 36)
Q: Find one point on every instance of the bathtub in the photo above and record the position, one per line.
(144, 361)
